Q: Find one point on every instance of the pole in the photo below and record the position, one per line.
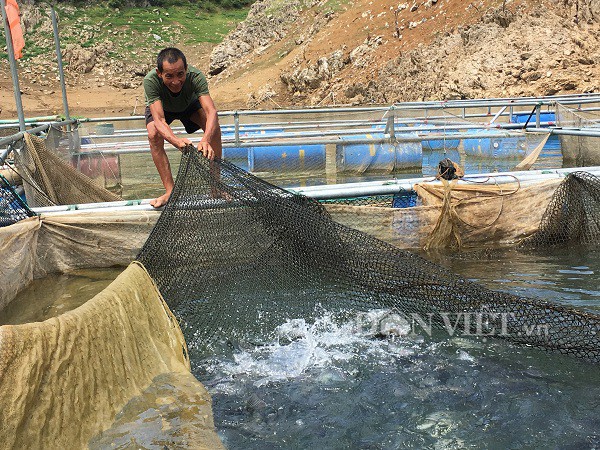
(236, 123)
(13, 68)
(61, 72)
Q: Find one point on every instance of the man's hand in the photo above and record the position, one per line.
(206, 149)
(183, 143)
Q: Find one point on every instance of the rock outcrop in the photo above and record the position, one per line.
(268, 22)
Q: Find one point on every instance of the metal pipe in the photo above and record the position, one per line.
(317, 125)
(5, 154)
(61, 72)
(236, 124)
(389, 187)
(346, 190)
(527, 101)
(335, 132)
(588, 132)
(498, 114)
(12, 122)
(492, 103)
(13, 68)
(124, 205)
(15, 137)
(304, 142)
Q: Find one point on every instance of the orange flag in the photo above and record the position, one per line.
(14, 22)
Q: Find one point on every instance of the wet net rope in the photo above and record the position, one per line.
(236, 256)
(49, 181)
(12, 207)
(572, 216)
(578, 150)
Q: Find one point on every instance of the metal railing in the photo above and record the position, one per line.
(303, 128)
(10, 141)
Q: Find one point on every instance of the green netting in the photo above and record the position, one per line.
(572, 216)
(235, 256)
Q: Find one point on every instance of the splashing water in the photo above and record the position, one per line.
(332, 385)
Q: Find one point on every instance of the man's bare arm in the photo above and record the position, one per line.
(212, 126)
(212, 120)
(163, 128)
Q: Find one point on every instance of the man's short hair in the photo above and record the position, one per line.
(171, 55)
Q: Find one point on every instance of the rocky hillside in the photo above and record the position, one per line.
(316, 52)
(310, 52)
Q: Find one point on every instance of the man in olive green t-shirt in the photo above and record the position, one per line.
(175, 90)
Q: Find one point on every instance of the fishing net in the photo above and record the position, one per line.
(49, 180)
(572, 216)
(235, 256)
(579, 151)
(12, 206)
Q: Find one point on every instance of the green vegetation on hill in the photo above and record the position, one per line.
(209, 5)
(134, 30)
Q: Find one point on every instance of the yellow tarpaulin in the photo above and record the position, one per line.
(62, 381)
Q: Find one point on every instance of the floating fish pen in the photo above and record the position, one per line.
(306, 331)
(342, 144)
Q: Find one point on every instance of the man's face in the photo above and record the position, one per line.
(173, 75)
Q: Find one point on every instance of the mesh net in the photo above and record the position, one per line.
(403, 199)
(579, 150)
(573, 214)
(12, 207)
(49, 180)
(483, 215)
(73, 147)
(235, 256)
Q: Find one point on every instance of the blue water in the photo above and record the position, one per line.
(339, 385)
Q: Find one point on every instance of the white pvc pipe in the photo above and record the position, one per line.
(345, 190)
(393, 186)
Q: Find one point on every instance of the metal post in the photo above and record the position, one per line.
(537, 115)
(390, 126)
(61, 72)
(13, 68)
(74, 141)
(236, 123)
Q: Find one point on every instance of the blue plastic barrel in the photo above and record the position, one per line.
(235, 153)
(384, 156)
(239, 153)
(287, 158)
(436, 144)
(552, 146)
(503, 147)
(521, 117)
(441, 144)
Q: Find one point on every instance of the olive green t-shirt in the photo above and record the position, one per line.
(194, 86)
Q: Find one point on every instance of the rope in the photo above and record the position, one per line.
(530, 159)
(446, 230)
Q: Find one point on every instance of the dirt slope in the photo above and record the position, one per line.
(310, 52)
(382, 52)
